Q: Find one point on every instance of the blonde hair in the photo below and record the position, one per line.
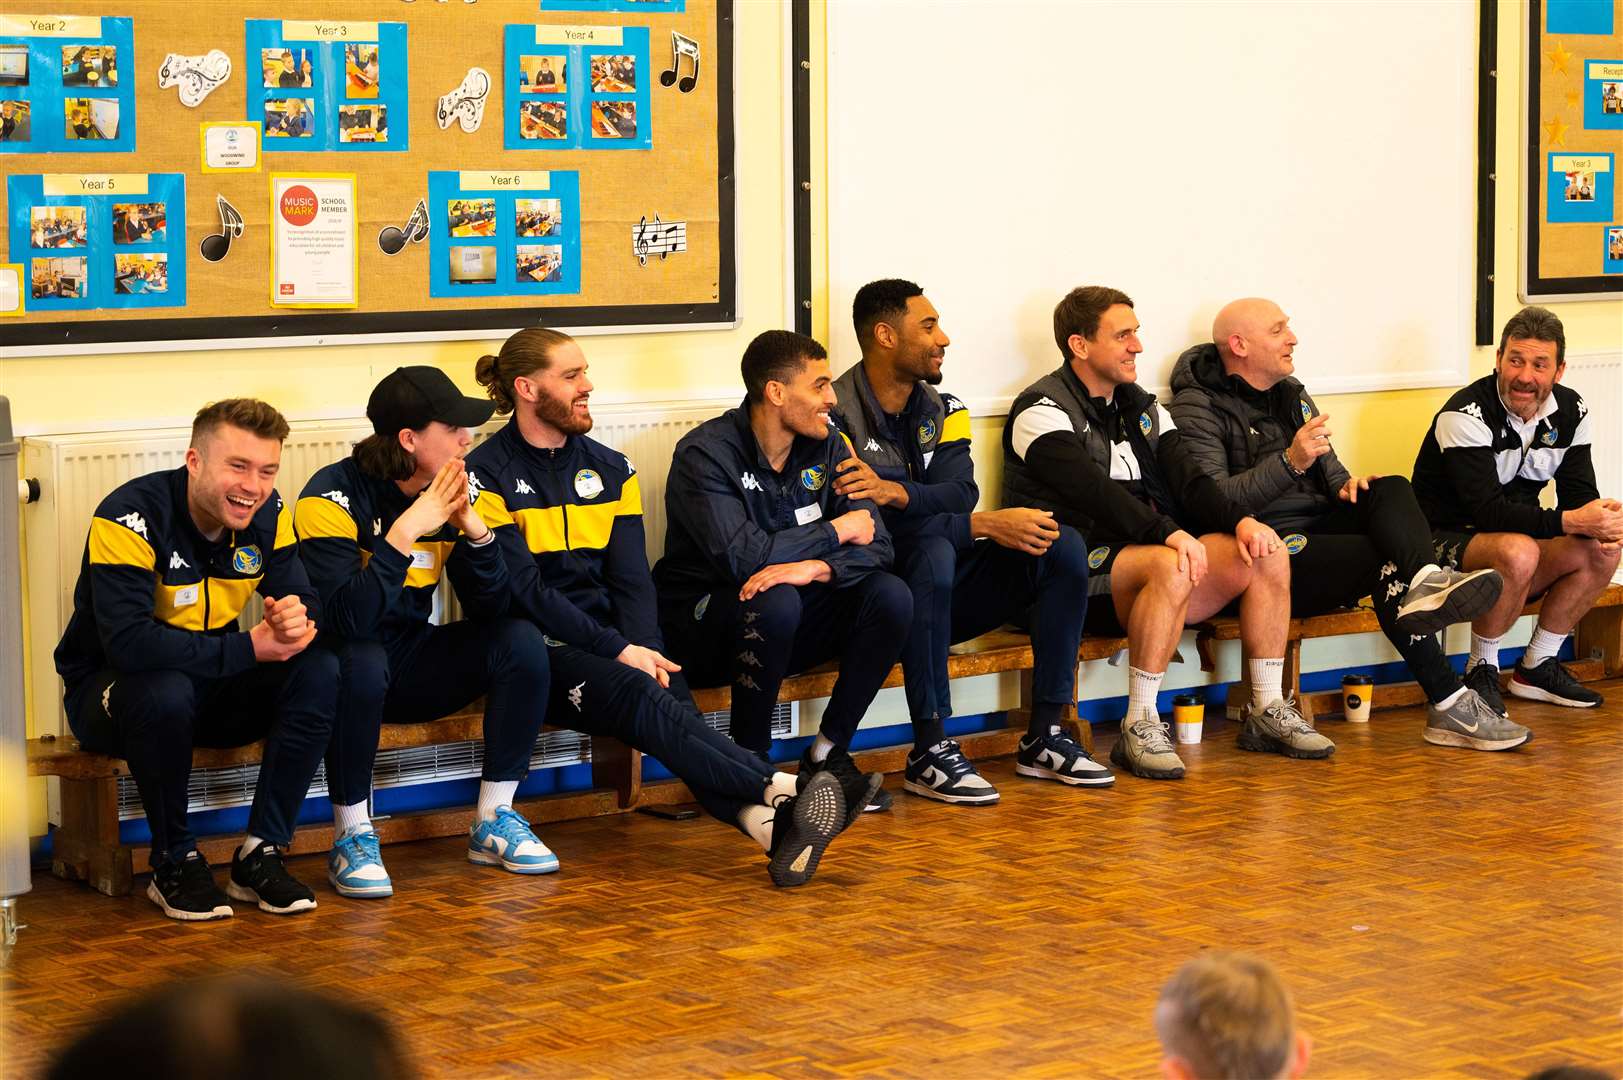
(1227, 1015)
(525, 352)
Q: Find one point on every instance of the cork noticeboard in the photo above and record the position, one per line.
(1572, 238)
(685, 173)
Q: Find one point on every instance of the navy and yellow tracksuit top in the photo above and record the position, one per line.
(369, 590)
(925, 449)
(155, 594)
(729, 515)
(569, 525)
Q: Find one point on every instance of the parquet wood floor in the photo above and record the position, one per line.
(1437, 912)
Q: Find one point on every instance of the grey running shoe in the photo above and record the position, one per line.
(1145, 749)
(1550, 681)
(1445, 597)
(1473, 724)
(1279, 728)
(1483, 677)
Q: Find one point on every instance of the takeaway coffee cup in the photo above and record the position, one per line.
(1356, 691)
(1189, 714)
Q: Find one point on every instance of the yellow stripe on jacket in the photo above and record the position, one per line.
(112, 544)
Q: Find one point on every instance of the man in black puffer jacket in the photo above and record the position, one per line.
(1256, 431)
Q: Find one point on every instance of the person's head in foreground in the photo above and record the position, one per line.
(245, 1028)
(1228, 1016)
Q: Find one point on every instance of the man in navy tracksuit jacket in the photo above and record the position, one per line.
(152, 662)
(767, 569)
(911, 446)
(567, 515)
(377, 531)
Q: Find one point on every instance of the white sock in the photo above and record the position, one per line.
(820, 747)
(1142, 687)
(1485, 650)
(493, 794)
(1267, 679)
(1448, 702)
(350, 817)
(1545, 644)
(1420, 575)
(757, 821)
(248, 844)
(781, 786)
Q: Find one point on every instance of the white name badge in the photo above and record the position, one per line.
(186, 597)
(422, 560)
(808, 514)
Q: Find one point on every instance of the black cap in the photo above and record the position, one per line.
(411, 397)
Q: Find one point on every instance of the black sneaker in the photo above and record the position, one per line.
(864, 792)
(1057, 756)
(802, 828)
(943, 772)
(1483, 677)
(262, 879)
(1550, 681)
(185, 890)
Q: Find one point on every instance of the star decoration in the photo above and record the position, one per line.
(1555, 132)
(1573, 99)
(1559, 57)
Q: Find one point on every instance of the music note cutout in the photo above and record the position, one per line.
(196, 76)
(216, 246)
(466, 104)
(681, 45)
(392, 239)
(657, 237)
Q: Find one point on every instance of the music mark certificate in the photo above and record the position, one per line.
(315, 255)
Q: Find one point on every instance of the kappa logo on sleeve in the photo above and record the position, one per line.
(1472, 409)
(338, 497)
(1047, 401)
(133, 522)
(521, 488)
(872, 446)
(750, 483)
(177, 563)
(1583, 408)
(476, 486)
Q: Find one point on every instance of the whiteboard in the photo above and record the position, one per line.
(1320, 154)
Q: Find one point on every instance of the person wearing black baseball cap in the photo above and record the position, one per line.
(377, 531)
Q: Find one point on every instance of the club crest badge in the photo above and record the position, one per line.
(1097, 557)
(812, 479)
(247, 560)
(1144, 422)
(588, 485)
(1295, 542)
(927, 430)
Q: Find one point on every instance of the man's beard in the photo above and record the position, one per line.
(562, 416)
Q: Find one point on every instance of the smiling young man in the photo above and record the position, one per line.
(567, 515)
(377, 531)
(769, 570)
(911, 458)
(153, 664)
(1255, 430)
(1490, 451)
(1087, 443)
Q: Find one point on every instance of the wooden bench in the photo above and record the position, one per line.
(1597, 648)
(86, 847)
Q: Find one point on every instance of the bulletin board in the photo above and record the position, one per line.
(597, 194)
(1573, 235)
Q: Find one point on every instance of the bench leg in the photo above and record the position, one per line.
(1020, 717)
(1600, 633)
(85, 846)
(1293, 679)
(618, 767)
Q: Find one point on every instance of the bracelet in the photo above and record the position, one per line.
(1285, 456)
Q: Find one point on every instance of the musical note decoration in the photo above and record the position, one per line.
(196, 76)
(681, 45)
(392, 239)
(217, 246)
(657, 238)
(466, 104)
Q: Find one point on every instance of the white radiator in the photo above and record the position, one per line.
(1598, 376)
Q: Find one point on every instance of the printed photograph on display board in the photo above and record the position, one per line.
(1575, 141)
(314, 93)
(598, 96)
(645, 7)
(62, 84)
(504, 233)
(99, 240)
